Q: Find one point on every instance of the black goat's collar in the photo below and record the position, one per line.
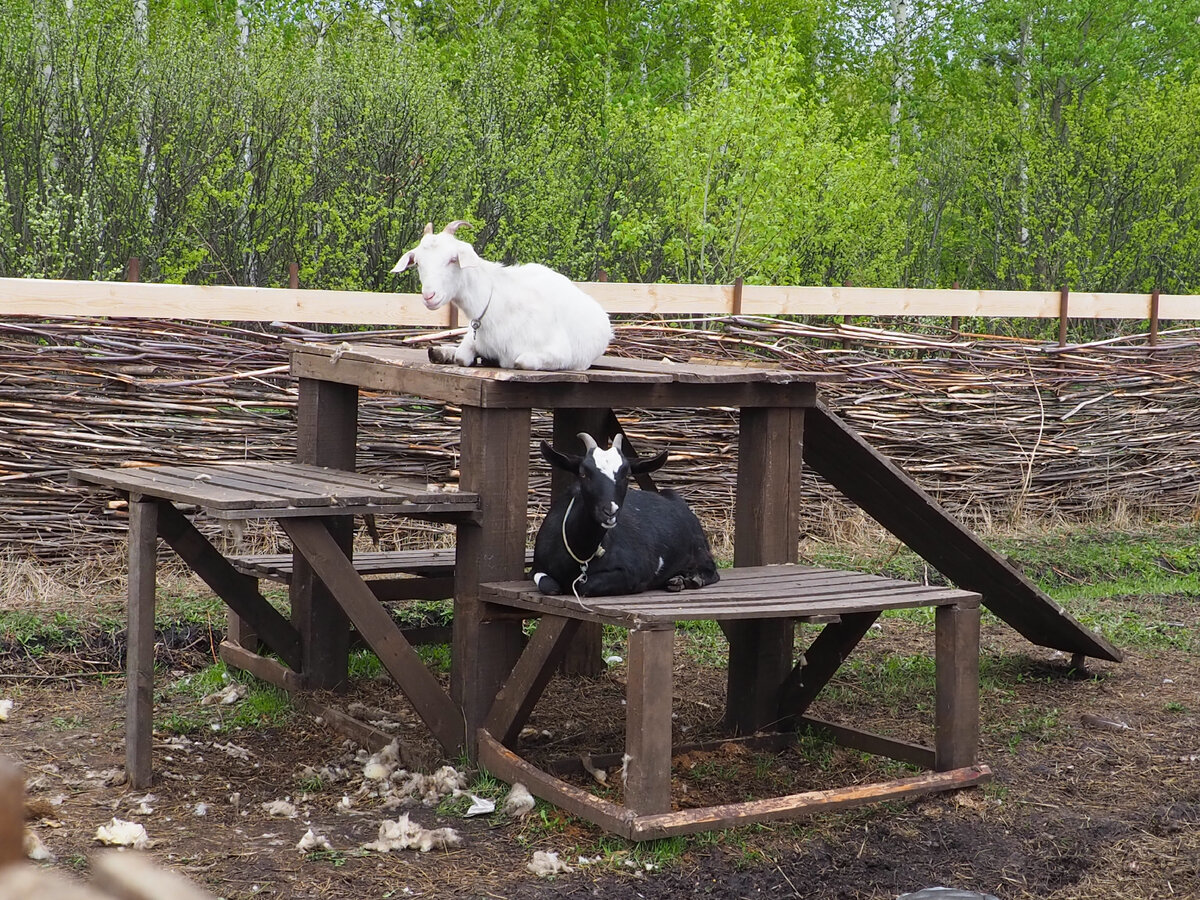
(583, 563)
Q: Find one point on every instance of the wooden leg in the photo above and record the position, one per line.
(648, 720)
(766, 530)
(529, 677)
(823, 659)
(495, 465)
(957, 715)
(326, 435)
(139, 652)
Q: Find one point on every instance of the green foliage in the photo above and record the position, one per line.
(1000, 144)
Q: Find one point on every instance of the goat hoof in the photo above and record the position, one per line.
(441, 355)
(676, 583)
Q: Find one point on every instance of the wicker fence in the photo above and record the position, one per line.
(992, 428)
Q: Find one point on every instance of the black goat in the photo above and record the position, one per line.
(599, 540)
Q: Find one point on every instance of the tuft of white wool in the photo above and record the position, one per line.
(404, 834)
(313, 841)
(6, 707)
(280, 808)
(523, 317)
(35, 849)
(519, 801)
(546, 864)
(120, 833)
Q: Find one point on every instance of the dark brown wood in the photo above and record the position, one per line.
(240, 592)
(585, 656)
(507, 766)
(262, 667)
(133, 270)
(822, 659)
(766, 530)
(495, 464)
(294, 276)
(957, 703)
(1154, 317)
(12, 813)
(529, 677)
(710, 818)
(736, 305)
(326, 435)
(767, 742)
(869, 742)
(435, 563)
(139, 641)
(1064, 300)
(318, 546)
(873, 482)
(648, 719)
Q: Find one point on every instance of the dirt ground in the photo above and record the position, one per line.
(1096, 791)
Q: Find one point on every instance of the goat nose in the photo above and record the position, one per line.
(427, 295)
(612, 508)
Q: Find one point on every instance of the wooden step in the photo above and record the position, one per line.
(435, 563)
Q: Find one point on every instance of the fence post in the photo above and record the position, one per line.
(736, 309)
(294, 275)
(1154, 317)
(1063, 300)
(133, 270)
(955, 321)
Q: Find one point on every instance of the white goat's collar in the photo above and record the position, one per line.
(596, 554)
(479, 318)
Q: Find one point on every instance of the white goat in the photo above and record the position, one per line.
(522, 317)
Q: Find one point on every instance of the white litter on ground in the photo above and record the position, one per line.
(35, 849)
(313, 841)
(546, 864)
(480, 806)
(232, 749)
(6, 707)
(201, 809)
(119, 833)
(231, 694)
(280, 808)
(519, 801)
(404, 834)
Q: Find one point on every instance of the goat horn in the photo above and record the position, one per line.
(452, 227)
(428, 228)
(616, 443)
(588, 441)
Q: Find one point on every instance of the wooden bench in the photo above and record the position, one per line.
(847, 603)
(308, 502)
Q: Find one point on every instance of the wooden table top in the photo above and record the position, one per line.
(611, 381)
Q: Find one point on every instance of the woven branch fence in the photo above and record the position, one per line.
(995, 429)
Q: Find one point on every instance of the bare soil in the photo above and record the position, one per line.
(1096, 791)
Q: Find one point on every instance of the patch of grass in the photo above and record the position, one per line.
(704, 642)
(435, 656)
(416, 613)
(364, 664)
(263, 705)
(66, 723)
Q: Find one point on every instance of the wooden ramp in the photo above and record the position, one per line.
(883, 491)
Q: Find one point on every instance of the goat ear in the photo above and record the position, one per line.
(641, 466)
(405, 261)
(467, 257)
(428, 228)
(561, 460)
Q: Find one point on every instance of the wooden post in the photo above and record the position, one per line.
(956, 716)
(12, 813)
(586, 654)
(326, 435)
(955, 321)
(133, 271)
(139, 641)
(494, 463)
(736, 309)
(294, 275)
(766, 531)
(1154, 317)
(648, 720)
(1064, 297)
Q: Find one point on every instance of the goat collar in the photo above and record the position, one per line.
(596, 554)
(479, 318)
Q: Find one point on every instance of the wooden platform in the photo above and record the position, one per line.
(847, 603)
(249, 490)
(434, 563)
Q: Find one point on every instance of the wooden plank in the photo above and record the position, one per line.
(12, 812)
(494, 461)
(133, 876)
(870, 480)
(770, 742)
(821, 660)
(869, 742)
(702, 373)
(956, 714)
(506, 765)
(145, 520)
(733, 815)
(381, 375)
(312, 539)
(435, 563)
(529, 677)
(28, 882)
(240, 592)
(261, 667)
(648, 690)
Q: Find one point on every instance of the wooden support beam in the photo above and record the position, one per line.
(530, 676)
(382, 635)
(144, 523)
(12, 812)
(650, 681)
(821, 660)
(957, 705)
(240, 592)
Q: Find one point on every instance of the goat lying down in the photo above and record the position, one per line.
(522, 317)
(598, 539)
